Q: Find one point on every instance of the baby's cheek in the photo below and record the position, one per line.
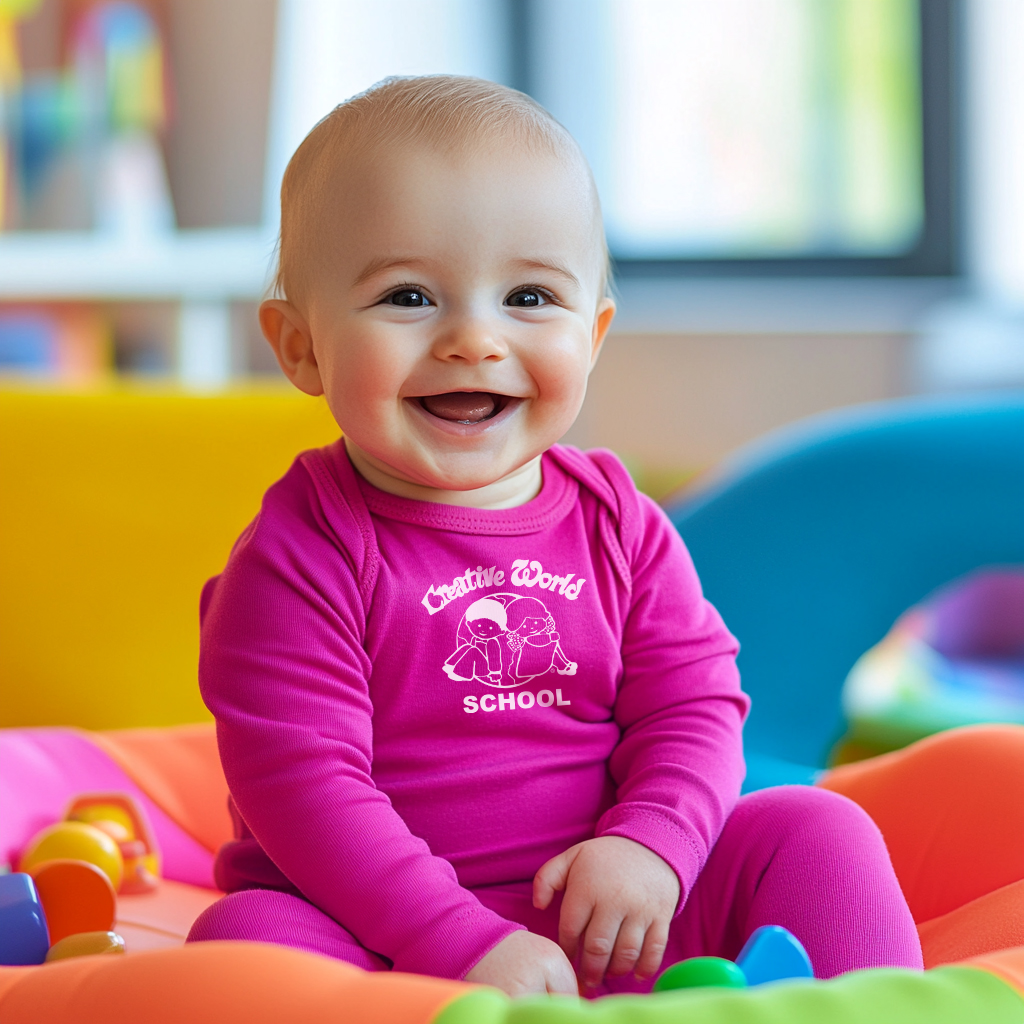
(576, 376)
(365, 362)
(563, 395)
(363, 395)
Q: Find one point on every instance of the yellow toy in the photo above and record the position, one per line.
(86, 944)
(104, 845)
(75, 840)
(121, 818)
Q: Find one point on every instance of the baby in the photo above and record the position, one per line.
(555, 805)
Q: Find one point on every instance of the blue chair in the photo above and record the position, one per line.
(812, 542)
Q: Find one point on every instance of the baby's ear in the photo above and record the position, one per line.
(290, 338)
(602, 321)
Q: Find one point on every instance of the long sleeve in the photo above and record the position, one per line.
(679, 763)
(284, 670)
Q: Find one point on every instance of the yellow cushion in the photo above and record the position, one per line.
(115, 506)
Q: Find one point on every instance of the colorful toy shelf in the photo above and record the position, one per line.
(203, 271)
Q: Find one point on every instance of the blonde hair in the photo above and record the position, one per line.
(452, 111)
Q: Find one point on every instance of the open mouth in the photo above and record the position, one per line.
(466, 407)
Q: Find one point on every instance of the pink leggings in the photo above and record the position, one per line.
(797, 856)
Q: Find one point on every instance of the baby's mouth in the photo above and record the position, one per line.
(464, 406)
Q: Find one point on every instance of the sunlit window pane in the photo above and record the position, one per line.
(748, 128)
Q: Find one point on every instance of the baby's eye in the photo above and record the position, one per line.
(408, 297)
(527, 298)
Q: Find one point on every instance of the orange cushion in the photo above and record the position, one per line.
(218, 983)
(161, 919)
(179, 769)
(1007, 964)
(991, 922)
(951, 809)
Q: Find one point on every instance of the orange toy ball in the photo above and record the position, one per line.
(75, 840)
(76, 897)
(86, 944)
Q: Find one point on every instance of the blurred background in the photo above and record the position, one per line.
(811, 203)
(814, 207)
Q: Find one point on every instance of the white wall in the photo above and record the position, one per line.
(329, 50)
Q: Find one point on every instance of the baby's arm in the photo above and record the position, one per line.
(284, 672)
(677, 769)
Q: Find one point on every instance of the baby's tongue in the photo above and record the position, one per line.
(461, 406)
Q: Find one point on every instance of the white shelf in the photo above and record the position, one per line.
(214, 265)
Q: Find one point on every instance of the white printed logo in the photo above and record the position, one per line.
(526, 573)
(441, 595)
(510, 701)
(505, 640)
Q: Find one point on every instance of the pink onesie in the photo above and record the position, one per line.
(418, 704)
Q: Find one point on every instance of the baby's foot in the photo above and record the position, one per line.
(569, 670)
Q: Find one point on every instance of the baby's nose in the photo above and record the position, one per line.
(471, 341)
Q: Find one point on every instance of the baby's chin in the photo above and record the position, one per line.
(416, 467)
(467, 471)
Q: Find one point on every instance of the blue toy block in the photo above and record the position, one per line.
(24, 937)
(773, 953)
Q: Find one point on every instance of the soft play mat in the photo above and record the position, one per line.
(232, 983)
(955, 659)
(948, 806)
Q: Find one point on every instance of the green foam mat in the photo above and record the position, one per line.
(948, 995)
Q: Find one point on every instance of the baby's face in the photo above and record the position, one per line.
(455, 310)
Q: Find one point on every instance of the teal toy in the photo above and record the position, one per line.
(701, 972)
(24, 937)
(773, 953)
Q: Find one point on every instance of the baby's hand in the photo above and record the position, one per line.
(524, 963)
(622, 895)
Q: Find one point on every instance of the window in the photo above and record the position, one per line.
(727, 136)
(788, 136)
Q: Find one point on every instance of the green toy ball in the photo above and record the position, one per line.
(699, 972)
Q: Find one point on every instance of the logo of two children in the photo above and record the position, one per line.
(505, 640)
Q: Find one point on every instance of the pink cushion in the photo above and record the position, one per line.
(42, 769)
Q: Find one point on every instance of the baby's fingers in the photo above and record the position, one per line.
(598, 944)
(551, 877)
(653, 951)
(628, 948)
(573, 919)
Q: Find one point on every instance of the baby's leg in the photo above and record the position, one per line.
(263, 915)
(811, 861)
